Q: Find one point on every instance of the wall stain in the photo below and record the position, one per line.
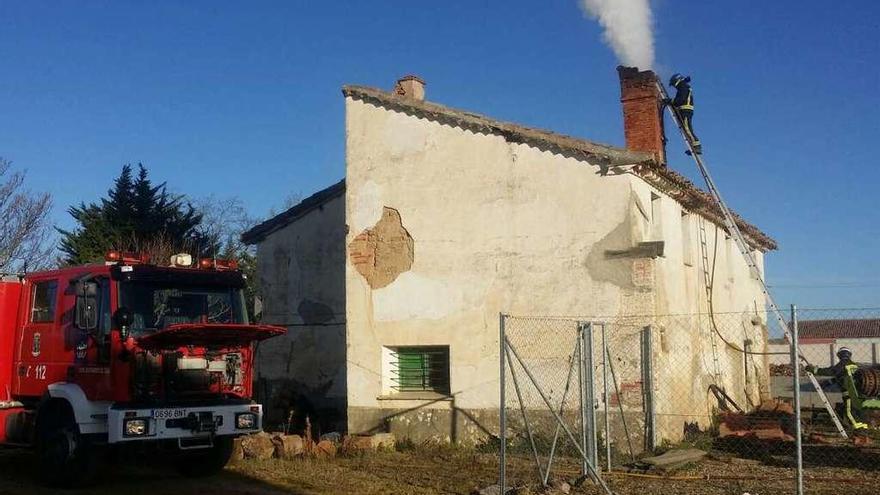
(314, 312)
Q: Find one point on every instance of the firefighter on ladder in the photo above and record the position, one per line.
(684, 105)
(843, 375)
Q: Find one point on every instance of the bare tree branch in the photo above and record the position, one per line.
(224, 220)
(25, 233)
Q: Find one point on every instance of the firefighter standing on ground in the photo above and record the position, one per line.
(844, 368)
(684, 104)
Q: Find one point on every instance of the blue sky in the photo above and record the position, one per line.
(232, 99)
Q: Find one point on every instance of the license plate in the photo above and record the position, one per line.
(169, 413)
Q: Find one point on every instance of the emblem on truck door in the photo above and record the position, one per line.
(82, 348)
(35, 347)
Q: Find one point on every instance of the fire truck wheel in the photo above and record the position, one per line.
(66, 457)
(206, 462)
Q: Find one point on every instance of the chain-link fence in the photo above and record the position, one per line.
(696, 403)
(841, 347)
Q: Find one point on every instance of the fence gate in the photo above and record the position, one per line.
(548, 395)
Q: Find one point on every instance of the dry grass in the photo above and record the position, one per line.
(423, 470)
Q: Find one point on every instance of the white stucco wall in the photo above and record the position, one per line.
(494, 225)
(684, 359)
(500, 226)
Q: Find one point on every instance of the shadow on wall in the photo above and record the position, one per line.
(424, 423)
(287, 404)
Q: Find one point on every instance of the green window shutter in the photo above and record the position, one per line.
(422, 369)
(411, 369)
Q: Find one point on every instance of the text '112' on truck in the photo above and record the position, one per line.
(127, 354)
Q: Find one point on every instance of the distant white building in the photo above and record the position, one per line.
(819, 341)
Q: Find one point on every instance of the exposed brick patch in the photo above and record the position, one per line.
(383, 252)
(630, 394)
(643, 273)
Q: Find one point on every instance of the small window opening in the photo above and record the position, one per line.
(687, 240)
(656, 217)
(420, 369)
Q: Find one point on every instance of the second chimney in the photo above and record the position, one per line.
(411, 86)
(642, 112)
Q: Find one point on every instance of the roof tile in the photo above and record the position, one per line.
(839, 329)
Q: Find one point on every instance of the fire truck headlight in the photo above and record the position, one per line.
(245, 421)
(134, 427)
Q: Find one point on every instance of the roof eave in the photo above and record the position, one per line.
(259, 232)
(697, 201)
(645, 164)
(595, 153)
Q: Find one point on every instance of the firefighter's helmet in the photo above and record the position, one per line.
(844, 353)
(677, 78)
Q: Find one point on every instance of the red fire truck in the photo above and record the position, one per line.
(101, 357)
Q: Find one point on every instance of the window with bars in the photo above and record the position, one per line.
(420, 369)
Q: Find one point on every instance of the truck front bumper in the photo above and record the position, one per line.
(182, 423)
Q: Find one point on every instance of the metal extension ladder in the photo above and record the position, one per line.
(734, 231)
(707, 284)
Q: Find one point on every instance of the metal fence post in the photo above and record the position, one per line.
(605, 399)
(502, 422)
(591, 412)
(648, 388)
(582, 390)
(588, 405)
(796, 378)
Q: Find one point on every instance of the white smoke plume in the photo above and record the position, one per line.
(628, 26)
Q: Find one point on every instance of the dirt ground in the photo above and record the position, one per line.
(426, 470)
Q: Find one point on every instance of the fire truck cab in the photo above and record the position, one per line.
(97, 357)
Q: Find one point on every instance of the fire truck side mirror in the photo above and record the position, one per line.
(122, 318)
(86, 305)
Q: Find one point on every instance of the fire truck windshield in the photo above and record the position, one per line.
(156, 305)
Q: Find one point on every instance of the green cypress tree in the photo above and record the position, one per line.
(118, 207)
(135, 216)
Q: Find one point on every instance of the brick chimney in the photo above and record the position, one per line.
(410, 86)
(642, 112)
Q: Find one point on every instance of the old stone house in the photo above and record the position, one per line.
(391, 281)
